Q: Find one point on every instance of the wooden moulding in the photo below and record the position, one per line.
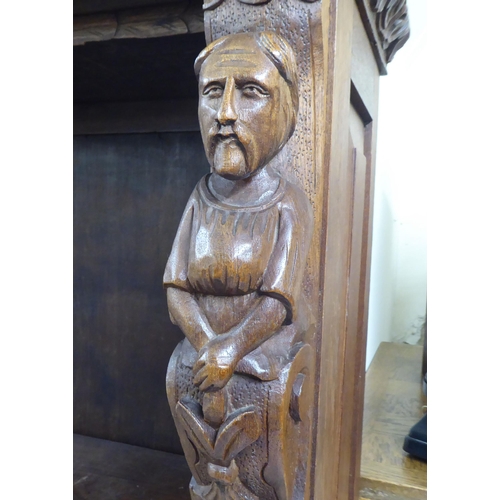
(386, 23)
(177, 18)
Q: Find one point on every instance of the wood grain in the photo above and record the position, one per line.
(393, 404)
(129, 194)
(106, 470)
(364, 112)
(175, 18)
(329, 55)
(334, 448)
(334, 166)
(240, 385)
(94, 28)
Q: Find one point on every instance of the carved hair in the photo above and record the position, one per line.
(277, 50)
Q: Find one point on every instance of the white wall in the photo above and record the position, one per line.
(398, 274)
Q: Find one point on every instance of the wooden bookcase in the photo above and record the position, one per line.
(138, 155)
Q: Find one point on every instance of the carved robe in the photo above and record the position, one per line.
(227, 256)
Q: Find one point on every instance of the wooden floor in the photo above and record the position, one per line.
(393, 404)
(105, 470)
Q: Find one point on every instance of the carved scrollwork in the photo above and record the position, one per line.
(212, 4)
(392, 24)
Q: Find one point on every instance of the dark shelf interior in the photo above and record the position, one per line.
(136, 69)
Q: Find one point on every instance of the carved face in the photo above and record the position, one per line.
(242, 114)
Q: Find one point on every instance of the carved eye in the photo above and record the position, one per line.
(213, 91)
(253, 90)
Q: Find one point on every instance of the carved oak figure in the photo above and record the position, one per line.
(238, 385)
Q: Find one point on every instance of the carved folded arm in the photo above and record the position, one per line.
(263, 321)
(218, 358)
(187, 315)
(285, 271)
(183, 307)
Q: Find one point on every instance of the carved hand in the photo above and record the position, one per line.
(186, 313)
(217, 360)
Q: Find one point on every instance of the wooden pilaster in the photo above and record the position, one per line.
(331, 155)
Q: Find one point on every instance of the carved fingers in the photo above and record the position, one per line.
(216, 363)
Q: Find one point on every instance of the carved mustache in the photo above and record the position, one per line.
(220, 133)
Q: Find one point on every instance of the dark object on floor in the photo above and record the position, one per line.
(416, 440)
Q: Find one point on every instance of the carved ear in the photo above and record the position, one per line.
(196, 428)
(240, 430)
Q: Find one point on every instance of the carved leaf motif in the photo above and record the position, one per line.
(378, 5)
(392, 24)
(240, 430)
(224, 475)
(205, 492)
(239, 492)
(196, 428)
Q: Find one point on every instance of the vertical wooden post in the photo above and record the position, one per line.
(318, 157)
(331, 453)
(334, 166)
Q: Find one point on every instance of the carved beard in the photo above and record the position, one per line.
(229, 159)
(230, 151)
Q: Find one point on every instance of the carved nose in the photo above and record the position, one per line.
(227, 113)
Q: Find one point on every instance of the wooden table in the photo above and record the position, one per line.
(393, 404)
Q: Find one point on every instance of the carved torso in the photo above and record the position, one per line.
(228, 256)
(230, 246)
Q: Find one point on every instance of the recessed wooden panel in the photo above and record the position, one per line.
(129, 194)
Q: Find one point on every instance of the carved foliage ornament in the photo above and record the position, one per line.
(392, 24)
(212, 4)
